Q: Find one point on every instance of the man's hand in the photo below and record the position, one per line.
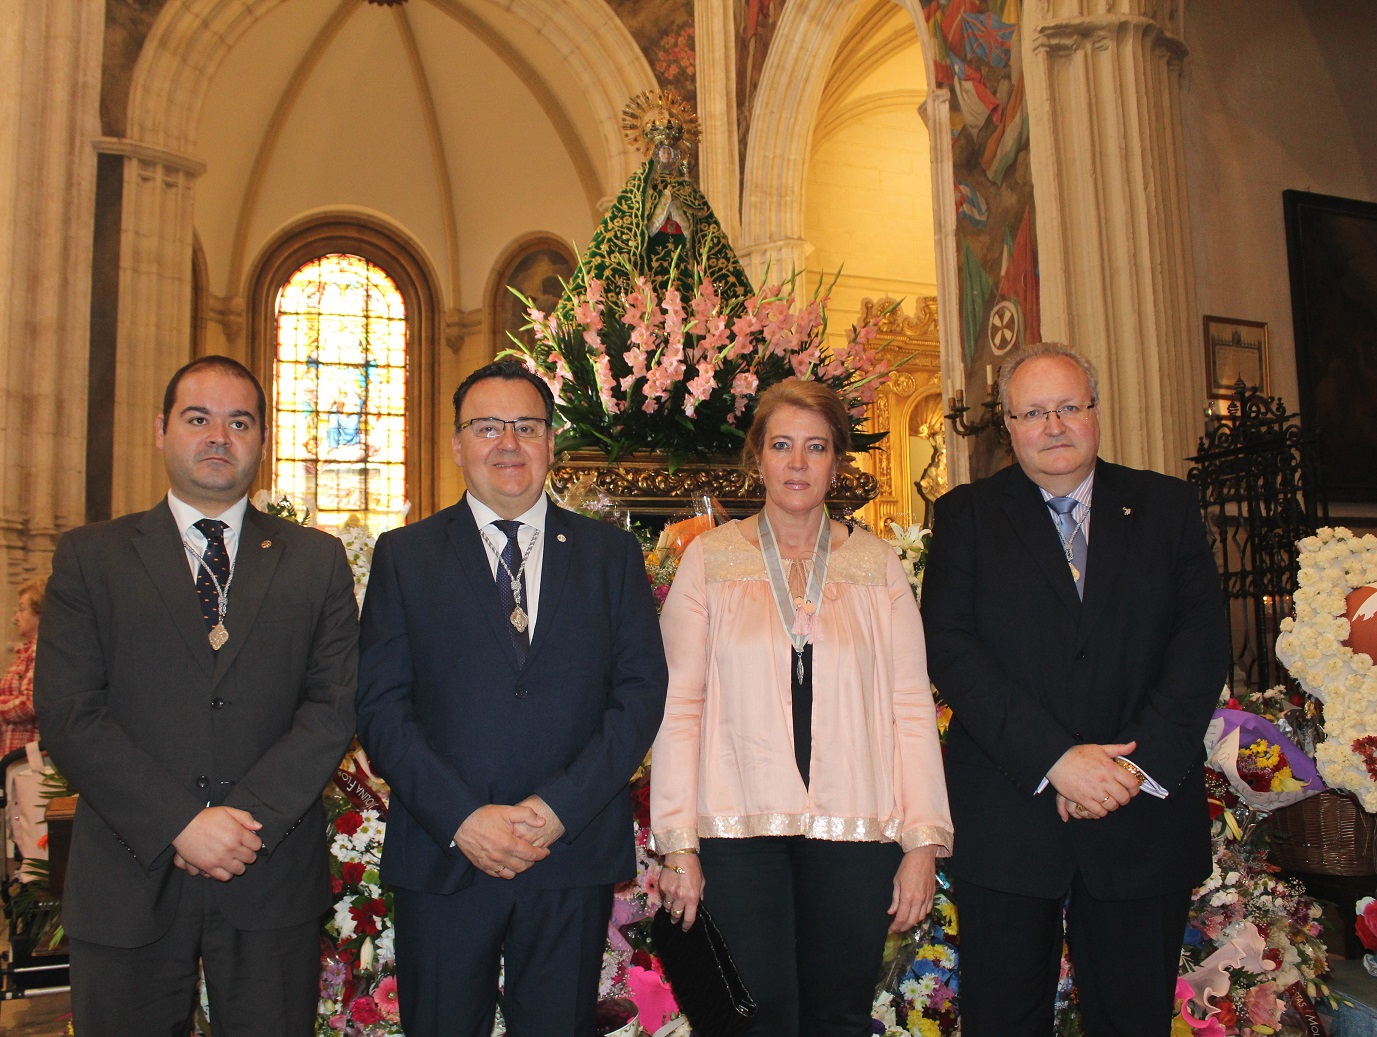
(1090, 783)
(219, 843)
(490, 837)
(543, 835)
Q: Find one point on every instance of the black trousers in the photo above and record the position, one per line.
(1125, 955)
(550, 942)
(805, 920)
(261, 983)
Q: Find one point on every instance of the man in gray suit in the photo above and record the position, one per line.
(195, 683)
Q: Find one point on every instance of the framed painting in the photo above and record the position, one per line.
(1331, 244)
(1235, 349)
(538, 267)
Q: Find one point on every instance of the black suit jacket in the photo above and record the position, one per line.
(1030, 670)
(453, 724)
(149, 723)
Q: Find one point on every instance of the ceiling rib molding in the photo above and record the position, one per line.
(436, 139)
(253, 185)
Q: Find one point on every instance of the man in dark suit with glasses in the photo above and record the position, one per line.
(511, 680)
(1075, 624)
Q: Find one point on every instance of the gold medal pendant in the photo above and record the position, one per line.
(1075, 573)
(519, 619)
(218, 636)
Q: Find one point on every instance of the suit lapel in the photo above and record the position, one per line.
(554, 569)
(468, 547)
(160, 548)
(255, 561)
(1028, 514)
(1111, 521)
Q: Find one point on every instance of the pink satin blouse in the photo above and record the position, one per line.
(723, 763)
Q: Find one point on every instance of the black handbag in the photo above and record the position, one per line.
(702, 975)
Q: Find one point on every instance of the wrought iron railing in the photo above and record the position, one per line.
(1258, 477)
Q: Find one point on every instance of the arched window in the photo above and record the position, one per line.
(345, 323)
(339, 392)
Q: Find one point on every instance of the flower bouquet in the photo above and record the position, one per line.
(1253, 954)
(918, 989)
(1264, 769)
(911, 543)
(1367, 932)
(1312, 646)
(654, 371)
(358, 982)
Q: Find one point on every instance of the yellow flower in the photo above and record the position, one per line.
(925, 1028)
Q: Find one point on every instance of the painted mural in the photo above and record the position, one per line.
(756, 21)
(663, 29)
(977, 56)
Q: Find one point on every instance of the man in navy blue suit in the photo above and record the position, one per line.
(511, 680)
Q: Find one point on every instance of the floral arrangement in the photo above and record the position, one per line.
(1253, 950)
(654, 372)
(358, 548)
(358, 982)
(911, 544)
(918, 991)
(1263, 768)
(278, 504)
(1333, 563)
(1367, 932)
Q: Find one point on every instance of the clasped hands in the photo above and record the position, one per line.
(218, 843)
(504, 841)
(1090, 783)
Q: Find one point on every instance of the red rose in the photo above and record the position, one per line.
(348, 824)
(353, 872)
(365, 1010)
(336, 885)
(1227, 1017)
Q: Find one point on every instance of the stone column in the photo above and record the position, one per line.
(1103, 83)
(719, 172)
(154, 336)
(50, 60)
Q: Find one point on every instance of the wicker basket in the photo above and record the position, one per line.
(1328, 834)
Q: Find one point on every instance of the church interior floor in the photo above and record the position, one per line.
(42, 1015)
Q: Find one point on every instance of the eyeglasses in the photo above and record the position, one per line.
(1070, 413)
(495, 428)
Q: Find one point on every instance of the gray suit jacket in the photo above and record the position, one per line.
(149, 724)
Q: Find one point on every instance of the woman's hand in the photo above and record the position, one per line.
(914, 885)
(681, 893)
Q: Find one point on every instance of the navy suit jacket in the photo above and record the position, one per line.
(1030, 670)
(452, 723)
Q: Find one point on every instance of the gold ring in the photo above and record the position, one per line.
(1105, 802)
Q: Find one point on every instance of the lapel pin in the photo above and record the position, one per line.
(560, 537)
(266, 543)
(1128, 511)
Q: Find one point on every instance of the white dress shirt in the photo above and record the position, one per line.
(194, 540)
(494, 540)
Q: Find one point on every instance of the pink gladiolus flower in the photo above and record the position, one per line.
(602, 372)
(700, 388)
(799, 362)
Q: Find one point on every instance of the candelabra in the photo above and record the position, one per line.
(957, 408)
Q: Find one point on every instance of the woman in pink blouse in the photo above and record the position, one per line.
(797, 775)
(18, 726)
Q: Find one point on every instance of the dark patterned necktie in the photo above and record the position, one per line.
(1072, 538)
(509, 573)
(214, 559)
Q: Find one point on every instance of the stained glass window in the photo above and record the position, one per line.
(340, 379)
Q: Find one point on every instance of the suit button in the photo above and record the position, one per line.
(217, 703)
(521, 693)
(1080, 655)
(202, 782)
(1078, 737)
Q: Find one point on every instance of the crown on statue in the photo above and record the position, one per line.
(659, 119)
